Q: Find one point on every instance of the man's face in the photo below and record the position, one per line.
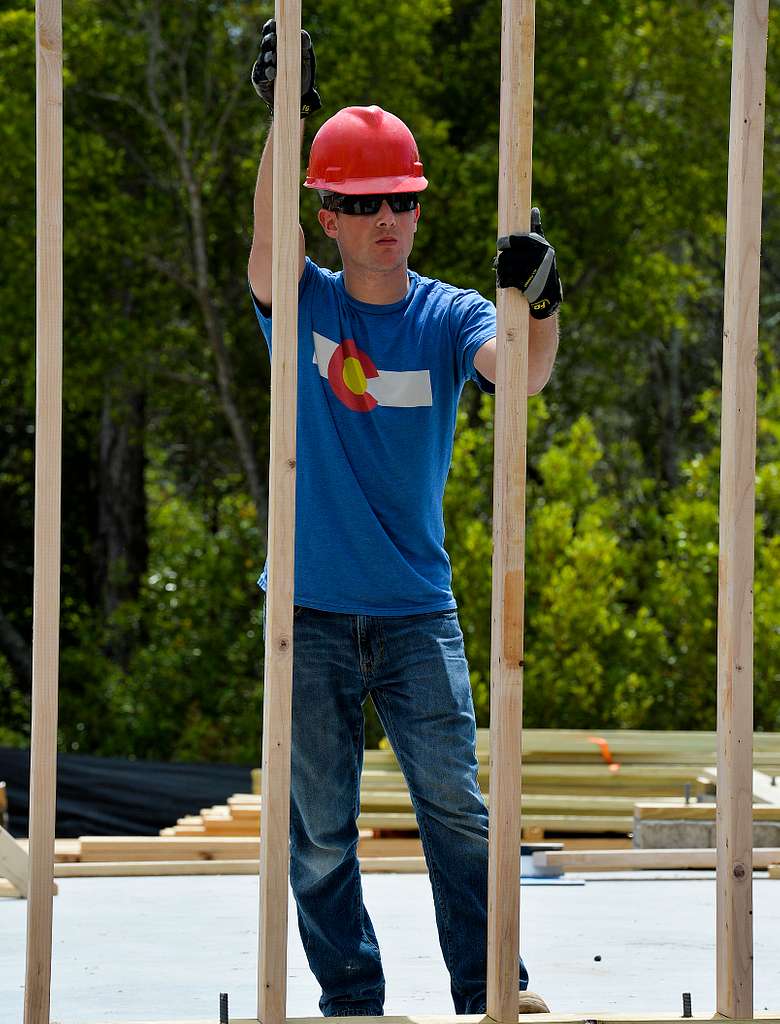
(378, 242)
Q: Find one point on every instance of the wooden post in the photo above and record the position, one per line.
(506, 708)
(734, 935)
(14, 863)
(277, 696)
(48, 461)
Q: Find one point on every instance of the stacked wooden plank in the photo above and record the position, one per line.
(575, 782)
(390, 811)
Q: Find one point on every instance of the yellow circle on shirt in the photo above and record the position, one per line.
(354, 377)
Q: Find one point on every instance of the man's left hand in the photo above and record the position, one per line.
(527, 262)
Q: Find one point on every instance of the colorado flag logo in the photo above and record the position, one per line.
(360, 385)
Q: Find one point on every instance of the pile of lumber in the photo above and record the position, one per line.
(576, 785)
(574, 782)
(386, 812)
(589, 789)
(100, 856)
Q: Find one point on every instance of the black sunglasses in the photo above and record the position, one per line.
(399, 202)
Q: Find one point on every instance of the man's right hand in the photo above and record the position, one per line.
(264, 70)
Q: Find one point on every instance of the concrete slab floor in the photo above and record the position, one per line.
(154, 949)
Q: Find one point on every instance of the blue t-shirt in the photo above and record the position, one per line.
(378, 390)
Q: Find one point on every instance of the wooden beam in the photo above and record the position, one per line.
(277, 694)
(402, 864)
(640, 860)
(629, 747)
(530, 1018)
(696, 812)
(206, 848)
(48, 471)
(15, 868)
(64, 849)
(152, 868)
(9, 891)
(734, 927)
(510, 434)
(14, 862)
(565, 779)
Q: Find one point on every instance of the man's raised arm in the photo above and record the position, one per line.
(262, 239)
(263, 76)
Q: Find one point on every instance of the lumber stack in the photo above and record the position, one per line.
(96, 856)
(575, 782)
(390, 811)
(634, 747)
(590, 788)
(595, 789)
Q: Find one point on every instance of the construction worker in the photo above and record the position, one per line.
(383, 355)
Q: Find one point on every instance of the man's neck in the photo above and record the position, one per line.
(378, 289)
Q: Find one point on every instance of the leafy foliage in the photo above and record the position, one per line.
(621, 594)
(162, 134)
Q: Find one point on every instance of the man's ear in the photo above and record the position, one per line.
(328, 221)
(416, 215)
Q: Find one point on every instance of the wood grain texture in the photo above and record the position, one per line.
(529, 1018)
(634, 860)
(627, 746)
(734, 929)
(401, 863)
(696, 812)
(277, 698)
(9, 891)
(14, 863)
(48, 471)
(506, 664)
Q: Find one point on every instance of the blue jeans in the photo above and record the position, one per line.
(415, 670)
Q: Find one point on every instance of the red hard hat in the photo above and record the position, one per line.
(364, 151)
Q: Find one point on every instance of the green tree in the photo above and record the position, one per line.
(167, 377)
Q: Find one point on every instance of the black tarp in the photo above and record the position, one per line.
(111, 796)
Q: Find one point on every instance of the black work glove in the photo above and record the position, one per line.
(528, 262)
(264, 70)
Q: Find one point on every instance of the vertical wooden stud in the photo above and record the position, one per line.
(514, 213)
(48, 462)
(734, 935)
(277, 697)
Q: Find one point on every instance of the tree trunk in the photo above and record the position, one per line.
(195, 151)
(666, 374)
(123, 547)
(671, 431)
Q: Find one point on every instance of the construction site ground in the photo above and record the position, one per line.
(162, 949)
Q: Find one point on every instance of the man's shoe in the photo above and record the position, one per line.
(530, 1002)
